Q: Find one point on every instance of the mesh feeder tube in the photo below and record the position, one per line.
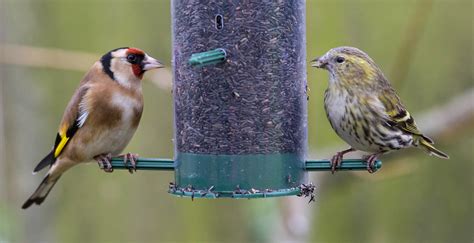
(239, 98)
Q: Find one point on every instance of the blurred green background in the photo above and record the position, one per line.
(425, 47)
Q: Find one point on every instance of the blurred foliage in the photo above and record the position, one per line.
(431, 201)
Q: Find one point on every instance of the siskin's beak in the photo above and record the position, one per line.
(151, 63)
(319, 62)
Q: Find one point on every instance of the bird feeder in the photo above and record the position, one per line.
(240, 100)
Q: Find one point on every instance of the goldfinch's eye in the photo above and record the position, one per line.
(132, 58)
(340, 59)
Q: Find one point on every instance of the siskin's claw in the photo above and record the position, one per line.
(371, 162)
(337, 159)
(336, 162)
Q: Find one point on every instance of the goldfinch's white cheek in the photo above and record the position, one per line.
(122, 73)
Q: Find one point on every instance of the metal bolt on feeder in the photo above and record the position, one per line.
(240, 101)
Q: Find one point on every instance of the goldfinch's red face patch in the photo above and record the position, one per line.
(135, 57)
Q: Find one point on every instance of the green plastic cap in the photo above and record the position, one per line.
(207, 58)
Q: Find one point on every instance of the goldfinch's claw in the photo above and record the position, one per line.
(133, 161)
(104, 162)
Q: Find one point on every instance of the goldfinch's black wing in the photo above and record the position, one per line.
(397, 115)
(73, 119)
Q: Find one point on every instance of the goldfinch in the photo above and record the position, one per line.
(101, 117)
(364, 109)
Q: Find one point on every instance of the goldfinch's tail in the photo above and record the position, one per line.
(430, 149)
(41, 192)
(46, 161)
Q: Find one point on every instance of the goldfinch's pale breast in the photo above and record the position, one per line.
(113, 117)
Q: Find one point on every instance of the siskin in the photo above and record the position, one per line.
(364, 109)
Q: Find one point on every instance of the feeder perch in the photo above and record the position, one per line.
(208, 58)
(239, 101)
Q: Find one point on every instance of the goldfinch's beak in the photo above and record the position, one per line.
(151, 63)
(319, 62)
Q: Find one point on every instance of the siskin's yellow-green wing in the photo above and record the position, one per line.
(397, 115)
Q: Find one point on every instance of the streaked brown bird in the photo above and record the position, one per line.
(100, 119)
(364, 109)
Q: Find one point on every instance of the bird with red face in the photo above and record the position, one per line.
(100, 119)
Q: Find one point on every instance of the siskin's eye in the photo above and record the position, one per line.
(132, 58)
(340, 59)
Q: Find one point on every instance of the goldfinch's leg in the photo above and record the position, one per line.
(371, 161)
(133, 161)
(104, 162)
(337, 159)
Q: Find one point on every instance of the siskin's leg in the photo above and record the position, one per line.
(337, 159)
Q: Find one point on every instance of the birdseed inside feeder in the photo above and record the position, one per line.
(240, 123)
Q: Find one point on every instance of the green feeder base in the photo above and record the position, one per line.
(189, 192)
(238, 176)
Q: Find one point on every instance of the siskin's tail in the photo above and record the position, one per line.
(41, 192)
(427, 144)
